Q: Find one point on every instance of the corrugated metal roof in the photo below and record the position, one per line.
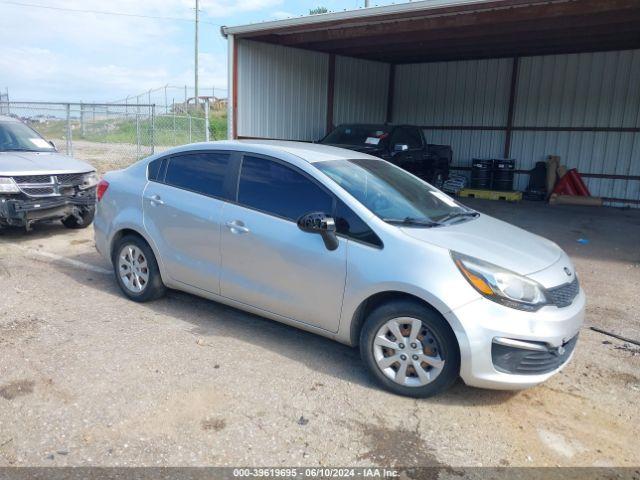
(362, 13)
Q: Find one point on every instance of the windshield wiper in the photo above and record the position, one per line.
(410, 221)
(451, 216)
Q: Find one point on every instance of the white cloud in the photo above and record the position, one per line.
(59, 55)
(281, 15)
(225, 8)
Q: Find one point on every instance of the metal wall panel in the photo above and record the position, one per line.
(282, 92)
(599, 89)
(467, 144)
(474, 92)
(361, 89)
(589, 152)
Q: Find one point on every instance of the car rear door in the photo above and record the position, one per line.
(267, 261)
(182, 213)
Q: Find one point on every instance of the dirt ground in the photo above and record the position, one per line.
(109, 156)
(90, 378)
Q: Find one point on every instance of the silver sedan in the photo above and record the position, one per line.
(350, 247)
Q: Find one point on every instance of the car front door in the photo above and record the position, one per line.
(267, 261)
(182, 213)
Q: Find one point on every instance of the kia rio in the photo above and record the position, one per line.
(350, 247)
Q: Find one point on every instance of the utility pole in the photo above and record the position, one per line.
(196, 57)
(366, 4)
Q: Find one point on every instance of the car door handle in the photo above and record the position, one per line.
(155, 200)
(237, 227)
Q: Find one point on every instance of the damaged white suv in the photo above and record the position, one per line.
(39, 184)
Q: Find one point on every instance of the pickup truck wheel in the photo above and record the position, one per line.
(410, 349)
(137, 270)
(74, 222)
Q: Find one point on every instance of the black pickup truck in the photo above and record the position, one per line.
(402, 145)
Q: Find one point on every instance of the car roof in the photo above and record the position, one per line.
(310, 152)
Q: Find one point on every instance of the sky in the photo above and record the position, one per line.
(63, 53)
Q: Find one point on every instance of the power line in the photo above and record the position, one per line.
(103, 12)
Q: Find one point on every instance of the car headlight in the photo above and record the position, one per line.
(7, 185)
(89, 180)
(501, 285)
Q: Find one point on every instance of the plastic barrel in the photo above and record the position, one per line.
(503, 170)
(481, 173)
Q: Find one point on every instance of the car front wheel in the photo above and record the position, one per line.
(410, 349)
(137, 270)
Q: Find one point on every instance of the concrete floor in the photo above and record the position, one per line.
(90, 378)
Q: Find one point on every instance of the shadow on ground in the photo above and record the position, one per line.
(215, 322)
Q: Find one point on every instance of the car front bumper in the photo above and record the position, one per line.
(20, 211)
(504, 348)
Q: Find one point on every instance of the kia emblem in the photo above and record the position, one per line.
(567, 271)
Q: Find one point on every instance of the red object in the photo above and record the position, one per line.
(564, 186)
(571, 184)
(101, 189)
(578, 184)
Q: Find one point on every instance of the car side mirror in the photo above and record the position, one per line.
(325, 225)
(400, 147)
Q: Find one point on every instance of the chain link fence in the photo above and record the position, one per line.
(176, 98)
(110, 136)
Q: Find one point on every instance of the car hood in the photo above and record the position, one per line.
(36, 163)
(493, 241)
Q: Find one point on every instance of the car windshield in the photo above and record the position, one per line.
(392, 194)
(17, 137)
(358, 135)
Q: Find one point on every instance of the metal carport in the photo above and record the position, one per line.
(517, 79)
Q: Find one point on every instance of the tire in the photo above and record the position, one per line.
(145, 283)
(436, 342)
(87, 217)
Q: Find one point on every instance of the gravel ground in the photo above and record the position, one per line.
(89, 378)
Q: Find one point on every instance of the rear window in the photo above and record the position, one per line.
(202, 173)
(360, 135)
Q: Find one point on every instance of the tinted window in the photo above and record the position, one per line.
(407, 136)
(199, 172)
(348, 223)
(154, 169)
(274, 188)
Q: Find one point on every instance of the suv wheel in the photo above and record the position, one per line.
(410, 349)
(86, 217)
(137, 270)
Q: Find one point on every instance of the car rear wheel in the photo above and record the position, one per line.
(83, 220)
(410, 349)
(137, 270)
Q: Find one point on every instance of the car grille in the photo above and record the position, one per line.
(46, 185)
(564, 295)
(70, 178)
(33, 179)
(520, 361)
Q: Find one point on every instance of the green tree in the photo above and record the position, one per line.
(318, 10)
